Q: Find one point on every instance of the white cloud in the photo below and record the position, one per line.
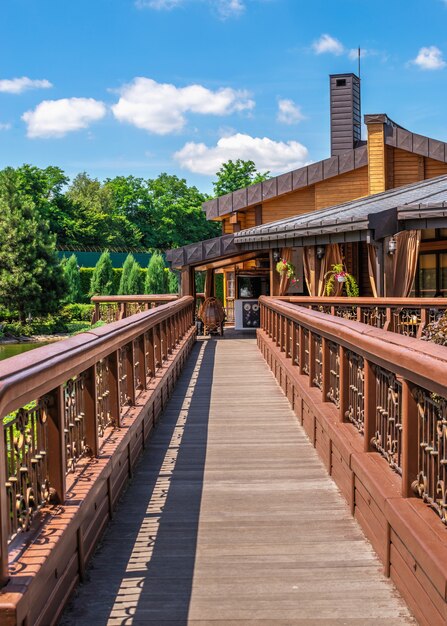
(229, 8)
(4, 126)
(19, 85)
(353, 53)
(429, 58)
(160, 108)
(224, 8)
(327, 43)
(289, 112)
(275, 156)
(159, 5)
(56, 118)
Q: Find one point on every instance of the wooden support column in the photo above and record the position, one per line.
(410, 447)
(187, 281)
(274, 276)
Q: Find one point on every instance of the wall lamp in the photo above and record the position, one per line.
(320, 252)
(392, 246)
(276, 255)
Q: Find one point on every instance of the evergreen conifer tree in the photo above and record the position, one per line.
(156, 277)
(102, 278)
(72, 277)
(134, 282)
(173, 286)
(31, 278)
(125, 276)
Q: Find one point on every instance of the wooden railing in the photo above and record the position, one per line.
(393, 389)
(60, 403)
(113, 308)
(406, 316)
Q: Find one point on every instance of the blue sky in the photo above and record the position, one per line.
(144, 86)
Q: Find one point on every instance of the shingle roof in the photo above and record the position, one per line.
(349, 216)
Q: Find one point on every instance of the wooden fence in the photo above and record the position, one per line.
(374, 405)
(75, 416)
(113, 308)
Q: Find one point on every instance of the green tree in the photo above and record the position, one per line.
(178, 215)
(102, 278)
(95, 220)
(234, 175)
(125, 276)
(31, 278)
(173, 283)
(72, 279)
(156, 277)
(46, 188)
(132, 199)
(135, 280)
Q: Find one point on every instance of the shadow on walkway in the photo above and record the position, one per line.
(143, 570)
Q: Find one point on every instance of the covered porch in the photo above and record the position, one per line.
(393, 243)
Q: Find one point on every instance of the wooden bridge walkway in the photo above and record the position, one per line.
(231, 517)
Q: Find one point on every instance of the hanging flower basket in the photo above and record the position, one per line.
(284, 267)
(340, 275)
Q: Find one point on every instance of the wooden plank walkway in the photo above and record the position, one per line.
(231, 517)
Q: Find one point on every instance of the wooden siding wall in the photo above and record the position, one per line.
(288, 205)
(342, 188)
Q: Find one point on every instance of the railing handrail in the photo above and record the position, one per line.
(329, 300)
(423, 363)
(32, 374)
(136, 298)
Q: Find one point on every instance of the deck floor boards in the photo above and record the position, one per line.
(231, 518)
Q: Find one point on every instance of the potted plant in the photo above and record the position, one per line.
(284, 267)
(338, 273)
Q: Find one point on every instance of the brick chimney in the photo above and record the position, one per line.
(345, 112)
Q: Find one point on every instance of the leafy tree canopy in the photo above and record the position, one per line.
(234, 175)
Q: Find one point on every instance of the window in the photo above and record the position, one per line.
(340, 82)
(431, 276)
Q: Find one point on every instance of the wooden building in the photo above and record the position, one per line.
(378, 206)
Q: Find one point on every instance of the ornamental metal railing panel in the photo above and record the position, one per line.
(391, 387)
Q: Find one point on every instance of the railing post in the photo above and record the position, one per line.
(141, 358)
(157, 342)
(97, 314)
(302, 348)
(281, 333)
(424, 322)
(56, 441)
(312, 356)
(326, 369)
(293, 351)
(114, 388)
(4, 512)
(130, 371)
(344, 383)
(150, 350)
(409, 440)
(91, 410)
(370, 405)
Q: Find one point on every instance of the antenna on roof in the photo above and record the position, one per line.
(358, 57)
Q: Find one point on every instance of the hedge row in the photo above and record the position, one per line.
(86, 277)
